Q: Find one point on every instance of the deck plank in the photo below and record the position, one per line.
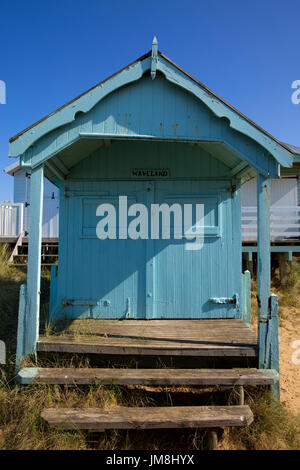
(160, 377)
(162, 350)
(97, 419)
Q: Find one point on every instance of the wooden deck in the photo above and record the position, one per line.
(216, 338)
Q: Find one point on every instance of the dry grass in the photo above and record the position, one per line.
(288, 296)
(21, 427)
(274, 427)
(10, 281)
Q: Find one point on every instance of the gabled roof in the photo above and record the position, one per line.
(155, 61)
(12, 139)
(292, 148)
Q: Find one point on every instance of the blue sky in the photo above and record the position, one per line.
(51, 51)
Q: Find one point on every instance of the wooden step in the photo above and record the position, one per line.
(163, 377)
(98, 419)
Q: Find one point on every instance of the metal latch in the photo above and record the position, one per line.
(225, 300)
(79, 303)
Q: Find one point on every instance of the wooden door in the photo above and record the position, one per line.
(153, 277)
(200, 283)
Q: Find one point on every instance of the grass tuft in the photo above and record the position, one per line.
(273, 428)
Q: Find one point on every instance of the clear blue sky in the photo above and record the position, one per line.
(52, 50)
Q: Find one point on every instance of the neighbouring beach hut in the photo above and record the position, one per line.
(134, 158)
(21, 195)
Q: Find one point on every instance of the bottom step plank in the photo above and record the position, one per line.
(163, 377)
(98, 419)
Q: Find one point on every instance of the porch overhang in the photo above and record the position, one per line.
(59, 164)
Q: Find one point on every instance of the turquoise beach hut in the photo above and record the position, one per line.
(149, 164)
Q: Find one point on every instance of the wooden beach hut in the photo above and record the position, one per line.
(149, 136)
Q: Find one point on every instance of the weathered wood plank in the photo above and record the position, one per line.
(140, 349)
(214, 323)
(156, 335)
(98, 419)
(226, 336)
(170, 377)
(131, 337)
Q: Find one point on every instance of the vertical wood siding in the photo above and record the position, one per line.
(112, 278)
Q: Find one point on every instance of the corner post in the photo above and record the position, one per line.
(272, 353)
(263, 263)
(246, 310)
(34, 259)
(21, 326)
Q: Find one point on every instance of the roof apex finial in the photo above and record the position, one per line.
(154, 58)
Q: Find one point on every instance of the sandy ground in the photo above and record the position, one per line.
(289, 332)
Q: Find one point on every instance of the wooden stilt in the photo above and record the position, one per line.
(212, 439)
(282, 269)
(241, 394)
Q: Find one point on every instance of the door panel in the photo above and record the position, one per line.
(152, 278)
(108, 273)
(185, 280)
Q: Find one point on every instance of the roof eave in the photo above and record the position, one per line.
(13, 167)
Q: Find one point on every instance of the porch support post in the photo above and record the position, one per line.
(34, 259)
(263, 263)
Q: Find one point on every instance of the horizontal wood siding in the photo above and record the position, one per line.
(285, 220)
(284, 192)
